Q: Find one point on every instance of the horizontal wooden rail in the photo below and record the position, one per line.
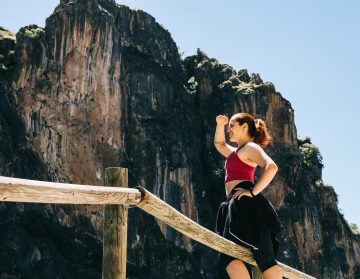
(23, 190)
(164, 212)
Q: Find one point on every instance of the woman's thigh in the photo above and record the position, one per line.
(237, 269)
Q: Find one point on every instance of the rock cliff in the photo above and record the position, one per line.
(102, 85)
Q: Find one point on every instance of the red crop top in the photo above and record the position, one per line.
(235, 169)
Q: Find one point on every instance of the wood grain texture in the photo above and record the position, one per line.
(23, 190)
(164, 212)
(257, 273)
(115, 229)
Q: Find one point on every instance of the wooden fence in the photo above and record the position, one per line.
(116, 199)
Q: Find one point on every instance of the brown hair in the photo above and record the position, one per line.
(256, 128)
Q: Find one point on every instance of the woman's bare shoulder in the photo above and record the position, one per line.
(253, 148)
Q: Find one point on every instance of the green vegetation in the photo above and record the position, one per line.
(7, 52)
(218, 172)
(6, 61)
(3, 67)
(32, 31)
(354, 228)
(311, 155)
(226, 84)
(192, 83)
(6, 35)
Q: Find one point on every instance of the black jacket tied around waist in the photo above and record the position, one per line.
(243, 221)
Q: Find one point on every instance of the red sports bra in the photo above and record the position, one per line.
(235, 169)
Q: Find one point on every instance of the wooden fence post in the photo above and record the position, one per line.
(257, 273)
(115, 229)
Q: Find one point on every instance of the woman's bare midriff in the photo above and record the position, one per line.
(231, 184)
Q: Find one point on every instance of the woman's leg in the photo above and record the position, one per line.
(236, 269)
(273, 272)
(265, 258)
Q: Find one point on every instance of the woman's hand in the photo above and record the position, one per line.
(221, 120)
(242, 192)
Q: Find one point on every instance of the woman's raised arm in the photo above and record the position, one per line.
(219, 139)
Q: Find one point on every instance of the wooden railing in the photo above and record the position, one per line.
(115, 200)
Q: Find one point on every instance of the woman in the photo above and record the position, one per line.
(247, 217)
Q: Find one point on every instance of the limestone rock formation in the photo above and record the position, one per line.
(102, 86)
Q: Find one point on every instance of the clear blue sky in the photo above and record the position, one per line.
(310, 51)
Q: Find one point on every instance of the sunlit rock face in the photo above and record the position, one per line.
(104, 86)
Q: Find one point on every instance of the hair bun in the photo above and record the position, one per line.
(262, 136)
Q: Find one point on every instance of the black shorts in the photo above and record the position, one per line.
(264, 256)
(251, 222)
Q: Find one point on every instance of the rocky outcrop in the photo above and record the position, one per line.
(37, 241)
(102, 85)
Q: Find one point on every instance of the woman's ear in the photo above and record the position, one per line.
(245, 126)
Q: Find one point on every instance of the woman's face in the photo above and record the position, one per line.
(235, 130)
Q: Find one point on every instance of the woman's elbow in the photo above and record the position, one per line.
(273, 167)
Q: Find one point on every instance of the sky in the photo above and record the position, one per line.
(310, 51)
